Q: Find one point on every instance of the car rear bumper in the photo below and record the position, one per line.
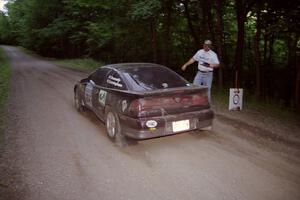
(137, 129)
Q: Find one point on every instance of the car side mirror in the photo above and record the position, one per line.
(84, 80)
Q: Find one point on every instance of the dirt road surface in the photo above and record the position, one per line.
(54, 152)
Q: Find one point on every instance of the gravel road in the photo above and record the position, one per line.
(54, 152)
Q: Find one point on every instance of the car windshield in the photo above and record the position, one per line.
(145, 78)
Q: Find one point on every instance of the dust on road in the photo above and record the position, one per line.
(53, 152)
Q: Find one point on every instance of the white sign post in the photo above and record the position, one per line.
(235, 99)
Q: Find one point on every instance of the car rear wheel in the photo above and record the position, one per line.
(113, 128)
(112, 125)
(208, 128)
(77, 100)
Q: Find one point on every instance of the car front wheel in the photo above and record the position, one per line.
(77, 100)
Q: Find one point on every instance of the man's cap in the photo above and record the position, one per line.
(208, 42)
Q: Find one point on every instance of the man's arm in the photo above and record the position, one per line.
(191, 61)
(215, 61)
(214, 65)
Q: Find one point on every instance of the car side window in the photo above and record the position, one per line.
(99, 76)
(113, 80)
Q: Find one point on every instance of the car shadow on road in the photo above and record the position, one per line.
(91, 116)
(129, 142)
(199, 134)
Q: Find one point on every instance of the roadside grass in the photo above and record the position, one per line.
(272, 108)
(4, 91)
(82, 64)
(27, 51)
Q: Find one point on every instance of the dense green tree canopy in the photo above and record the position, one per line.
(258, 40)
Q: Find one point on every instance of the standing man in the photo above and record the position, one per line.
(207, 61)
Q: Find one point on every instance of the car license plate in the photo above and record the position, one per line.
(182, 125)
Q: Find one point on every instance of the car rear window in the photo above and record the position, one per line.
(143, 78)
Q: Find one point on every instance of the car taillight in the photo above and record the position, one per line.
(135, 106)
(151, 106)
(143, 107)
(199, 99)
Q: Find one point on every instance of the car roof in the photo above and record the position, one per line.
(119, 66)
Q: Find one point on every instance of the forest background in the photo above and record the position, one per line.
(257, 41)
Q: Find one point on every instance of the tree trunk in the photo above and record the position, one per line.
(297, 88)
(209, 20)
(154, 40)
(220, 38)
(293, 68)
(266, 39)
(190, 24)
(241, 17)
(292, 48)
(270, 57)
(167, 31)
(257, 55)
(206, 28)
(265, 87)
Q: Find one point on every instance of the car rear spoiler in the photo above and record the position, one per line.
(168, 91)
(164, 92)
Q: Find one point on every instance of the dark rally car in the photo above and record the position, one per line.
(143, 100)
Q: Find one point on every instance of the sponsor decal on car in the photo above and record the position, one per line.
(102, 97)
(151, 123)
(165, 85)
(124, 105)
(114, 81)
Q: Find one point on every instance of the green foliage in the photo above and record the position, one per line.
(4, 90)
(145, 9)
(271, 108)
(162, 31)
(84, 64)
(4, 78)
(5, 35)
(281, 52)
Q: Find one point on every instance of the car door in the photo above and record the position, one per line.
(88, 92)
(100, 91)
(106, 94)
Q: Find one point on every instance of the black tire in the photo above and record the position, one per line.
(113, 127)
(207, 128)
(78, 101)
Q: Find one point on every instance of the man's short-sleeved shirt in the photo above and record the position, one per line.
(204, 57)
